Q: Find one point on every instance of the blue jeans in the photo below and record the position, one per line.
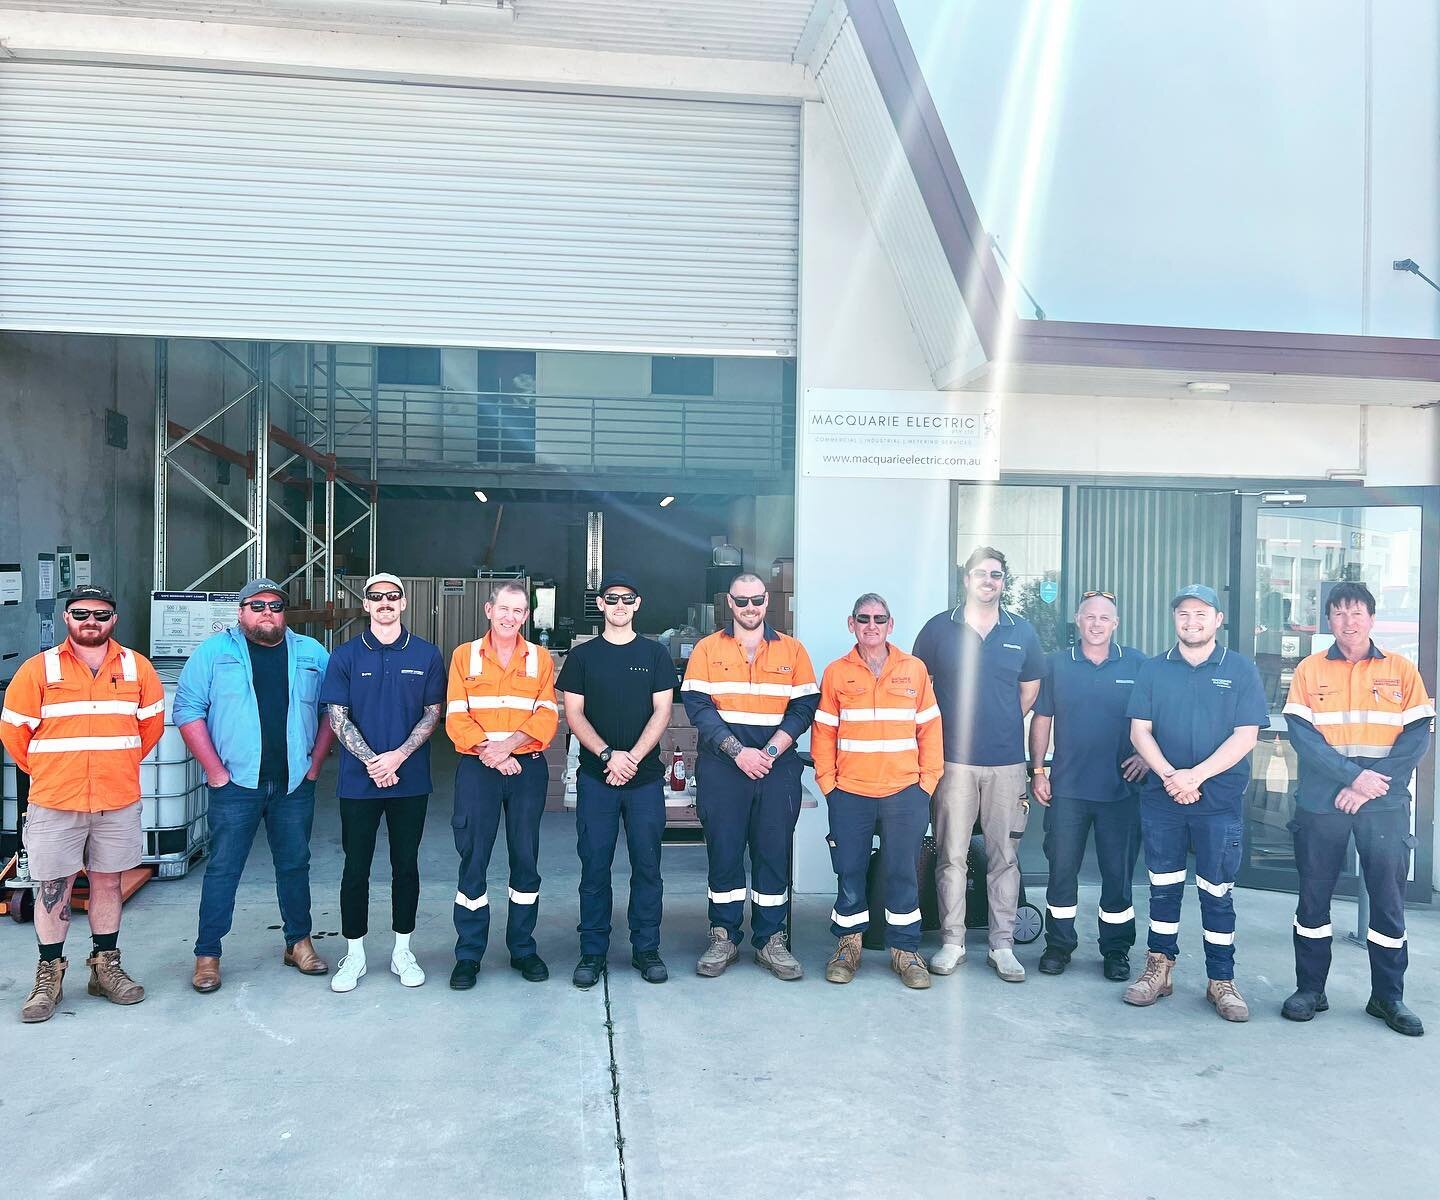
(598, 809)
(1117, 846)
(235, 815)
(1171, 832)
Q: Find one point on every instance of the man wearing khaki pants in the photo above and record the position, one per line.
(987, 664)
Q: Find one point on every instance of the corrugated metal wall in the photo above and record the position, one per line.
(207, 204)
(1144, 544)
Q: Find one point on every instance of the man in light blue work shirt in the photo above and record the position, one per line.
(247, 706)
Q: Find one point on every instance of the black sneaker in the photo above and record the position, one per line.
(648, 963)
(1053, 962)
(1396, 1015)
(532, 968)
(1303, 1005)
(1117, 966)
(588, 970)
(462, 978)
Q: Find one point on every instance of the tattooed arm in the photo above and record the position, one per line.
(349, 736)
(386, 765)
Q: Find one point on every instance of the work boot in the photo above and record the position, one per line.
(108, 979)
(207, 974)
(1396, 1015)
(1053, 961)
(1303, 1005)
(776, 958)
(303, 957)
(718, 955)
(910, 967)
(1006, 965)
(47, 993)
(648, 963)
(1117, 966)
(1228, 1001)
(588, 970)
(1154, 981)
(842, 967)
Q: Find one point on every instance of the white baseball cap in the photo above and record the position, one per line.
(384, 577)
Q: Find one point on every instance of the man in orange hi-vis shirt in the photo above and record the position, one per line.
(501, 713)
(78, 719)
(878, 756)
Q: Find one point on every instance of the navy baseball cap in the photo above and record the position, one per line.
(614, 579)
(1196, 591)
(89, 591)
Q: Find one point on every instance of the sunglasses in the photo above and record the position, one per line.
(84, 614)
(376, 597)
(867, 618)
(746, 601)
(615, 598)
(259, 606)
(981, 573)
(1090, 595)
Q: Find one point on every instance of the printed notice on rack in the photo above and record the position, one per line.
(180, 621)
(45, 577)
(12, 588)
(82, 569)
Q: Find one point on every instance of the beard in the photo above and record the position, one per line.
(266, 635)
(90, 637)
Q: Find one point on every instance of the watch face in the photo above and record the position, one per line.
(772, 752)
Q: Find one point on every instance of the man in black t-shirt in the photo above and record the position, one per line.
(617, 693)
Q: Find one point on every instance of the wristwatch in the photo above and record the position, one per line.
(605, 754)
(772, 751)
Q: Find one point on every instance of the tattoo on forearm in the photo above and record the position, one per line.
(424, 727)
(347, 733)
(52, 896)
(732, 746)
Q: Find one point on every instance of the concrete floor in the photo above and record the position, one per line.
(742, 1084)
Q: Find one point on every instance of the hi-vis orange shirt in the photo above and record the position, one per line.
(874, 736)
(488, 702)
(79, 736)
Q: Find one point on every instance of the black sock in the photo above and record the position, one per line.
(51, 951)
(105, 941)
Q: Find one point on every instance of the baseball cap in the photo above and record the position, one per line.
(256, 586)
(89, 591)
(383, 577)
(619, 579)
(1197, 591)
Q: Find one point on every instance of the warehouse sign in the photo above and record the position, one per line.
(860, 434)
(180, 621)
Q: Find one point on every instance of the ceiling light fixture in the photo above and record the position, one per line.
(1207, 387)
(481, 496)
(667, 502)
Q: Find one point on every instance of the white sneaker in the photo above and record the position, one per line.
(1006, 965)
(348, 974)
(949, 957)
(404, 965)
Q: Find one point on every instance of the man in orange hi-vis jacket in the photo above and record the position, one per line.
(79, 718)
(501, 714)
(878, 756)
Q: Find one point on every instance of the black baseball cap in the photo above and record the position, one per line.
(613, 579)
(89, 591)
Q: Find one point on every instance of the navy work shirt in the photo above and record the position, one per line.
(386, 689)
(1089, 702)
(977, 684)
(1192, 710)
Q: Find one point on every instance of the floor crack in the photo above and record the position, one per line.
(615, 1088)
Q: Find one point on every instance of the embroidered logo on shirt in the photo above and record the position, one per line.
(1221, 683)
(408, 671)
(366, 674)
(1124, 681)
(1012, 646)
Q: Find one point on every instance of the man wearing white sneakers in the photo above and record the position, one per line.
(385, 690)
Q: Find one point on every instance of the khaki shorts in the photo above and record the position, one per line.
(61, 842)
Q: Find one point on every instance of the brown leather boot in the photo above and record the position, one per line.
(45, 997)
(910, 967)
(207, 974)
(1153, 983)
(303, 958)
(842, 967)
(1228, 1001)
(108, 979)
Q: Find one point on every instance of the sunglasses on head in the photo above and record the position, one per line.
(616, 598)
(1091, 595)
(84, 614)
(867, 618)
(259, 606)
(744, 601)
(981, 573)
(376, 597)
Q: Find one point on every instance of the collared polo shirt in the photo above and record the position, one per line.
(977, 683)
(1088, 702)
(1192, 710)
(386, 689)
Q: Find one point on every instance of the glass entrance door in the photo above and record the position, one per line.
(1302, 548)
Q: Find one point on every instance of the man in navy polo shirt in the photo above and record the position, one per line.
(386, 691)
(1091, 783)
(1196, 714)
(987, 665)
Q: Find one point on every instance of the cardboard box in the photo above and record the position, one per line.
(782, 575)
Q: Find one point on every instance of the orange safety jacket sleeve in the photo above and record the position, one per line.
(462, 720)
(929, 736)
(544, 720)
(21, 714)
(825, 733)
(151, 714)
(460, 723)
